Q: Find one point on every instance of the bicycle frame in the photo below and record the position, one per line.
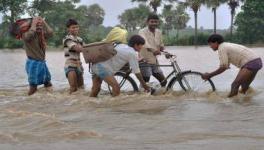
(176, 72)
(176, 69)
(176, 75)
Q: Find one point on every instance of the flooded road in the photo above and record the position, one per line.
(176, 120)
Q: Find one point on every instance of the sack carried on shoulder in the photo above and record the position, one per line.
(98, 52)
(19, 27)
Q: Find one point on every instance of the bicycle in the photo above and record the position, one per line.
(188, 80)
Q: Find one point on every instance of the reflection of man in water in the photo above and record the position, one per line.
(153, 46)
(238, 55)
(35, 46)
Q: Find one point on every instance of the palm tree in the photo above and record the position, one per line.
(214, 4)
(233, 4)
(154, 4)
(195, 6)
(175, 18)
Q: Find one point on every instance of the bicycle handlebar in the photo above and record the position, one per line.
(168, 55)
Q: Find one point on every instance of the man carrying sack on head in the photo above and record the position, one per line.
(35, 45)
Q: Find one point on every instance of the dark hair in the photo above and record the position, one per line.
(136, 39)
(71, 22)
(215, 38)
(153, 16)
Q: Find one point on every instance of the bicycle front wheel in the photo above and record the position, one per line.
(126, 83)
(191, 81)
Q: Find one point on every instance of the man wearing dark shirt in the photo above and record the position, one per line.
(35, 46)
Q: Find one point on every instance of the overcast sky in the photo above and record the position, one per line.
(113, 8)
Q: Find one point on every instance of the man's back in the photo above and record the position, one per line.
(236, 54)
(125, 54)
(32, 46)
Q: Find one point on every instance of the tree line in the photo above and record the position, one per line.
(246, 27)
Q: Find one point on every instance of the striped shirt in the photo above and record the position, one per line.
(72, 57)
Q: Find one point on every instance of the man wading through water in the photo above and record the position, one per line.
(238, 55)
(35, 46)
(153, 47)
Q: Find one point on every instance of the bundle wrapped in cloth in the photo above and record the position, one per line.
(19, 27)
(117, 35)
(102, 51)
(98, 52)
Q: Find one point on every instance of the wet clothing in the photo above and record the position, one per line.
(125, 54)
(35, 46)
(238, 55)
(32, 46)
(147, 69)
(254, 65)
(33, 43)
(101, 71)
(72, 57)
(77, 70)
(38, 72)
(73, 61)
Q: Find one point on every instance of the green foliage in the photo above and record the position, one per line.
(194, 4)
(40, 7)
(134, 18)
(95, 34)
(232, 38)
(92, 15)
(250, 22)
(57, 18)
(87, 17)
(154, 4)
(10, 43)
(12, 8)
(186, 39)
(6, 41)
(56, 13)
(174, 18)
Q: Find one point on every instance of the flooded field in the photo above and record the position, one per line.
(176, 120)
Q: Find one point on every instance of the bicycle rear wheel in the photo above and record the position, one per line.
(126, 83)
(191, 81)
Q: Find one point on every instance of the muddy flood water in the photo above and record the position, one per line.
(177, 120)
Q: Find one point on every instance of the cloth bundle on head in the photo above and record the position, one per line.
(19, 27)
(117, 35)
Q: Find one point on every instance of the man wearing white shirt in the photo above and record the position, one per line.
(106, 70)
(238, 55)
